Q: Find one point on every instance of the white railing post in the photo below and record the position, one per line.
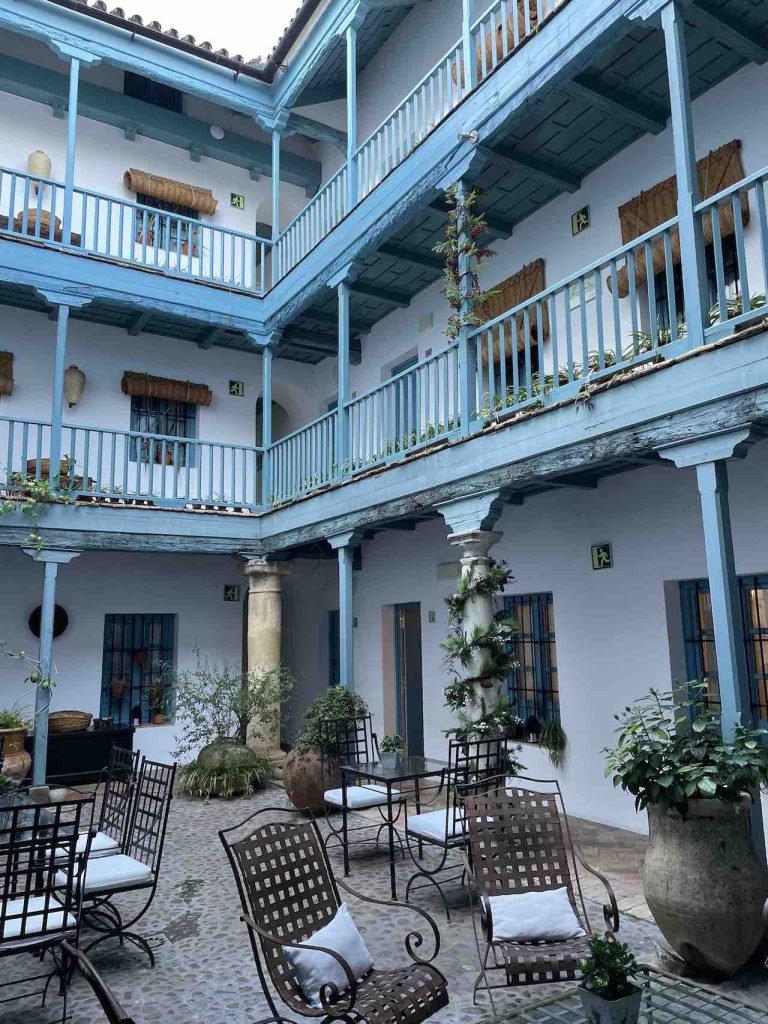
(351, 45)
(469, 78)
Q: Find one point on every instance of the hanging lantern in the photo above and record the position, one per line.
(39, 166)
(74, 385)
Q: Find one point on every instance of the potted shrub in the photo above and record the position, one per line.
(13, 731)
(157, 695)
(303, 775)
(391, 751)
(702, 880)
(607, 991)
(217, 709)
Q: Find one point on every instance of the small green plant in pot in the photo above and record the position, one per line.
(391, 751)
(607, 990)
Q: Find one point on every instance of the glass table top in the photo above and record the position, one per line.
(407, 768)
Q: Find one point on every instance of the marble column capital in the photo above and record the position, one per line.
(475, 543)
(265, 577)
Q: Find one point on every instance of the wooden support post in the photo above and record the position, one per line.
(343, 544)
(470, 61)
(689, 224)
(69, 174)
(351, 39)
(275, 184)
(342, 429)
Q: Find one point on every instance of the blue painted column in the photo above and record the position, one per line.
(352, 191)
(470, 60)
(51, 561)
(689, 224)
(69, 174)
(467, 351)
(57, 398)
(266, 422)
(275, 184)
(343, 544)
(342, 281)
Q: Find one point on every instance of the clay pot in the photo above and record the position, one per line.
(704, 885)
(305, 782)
(16, 760)
(227, 753)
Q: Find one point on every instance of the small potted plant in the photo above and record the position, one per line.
(607, 990)
(391, 751)
(156, 693)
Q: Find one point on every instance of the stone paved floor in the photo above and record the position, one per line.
(205, 972)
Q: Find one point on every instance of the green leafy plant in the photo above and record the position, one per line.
(336, 702)
(553, 739)
(14, 718)
(224, 780)
(610, 968)
(463, 254)
(217, 701)
(392, 744)
(32, 497)
(670, 752)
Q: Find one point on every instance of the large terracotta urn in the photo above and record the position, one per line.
(16, 761)
(704, 884)
(305, 781)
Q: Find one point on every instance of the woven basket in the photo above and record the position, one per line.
(69, 721)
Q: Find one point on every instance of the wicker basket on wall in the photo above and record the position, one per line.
(69, 721)
(6, 373)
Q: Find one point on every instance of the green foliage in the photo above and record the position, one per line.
(337, 702)
(670, 752)
(35, 673)
(488, 585)
(220, 702)
(609, 968)
(461, 249)
(392, 744)
(32, 497)
(14, 718)
(224, 780)
(553, 739)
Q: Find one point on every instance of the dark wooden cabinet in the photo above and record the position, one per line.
(82, 756)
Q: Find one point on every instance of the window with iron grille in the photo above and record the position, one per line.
(169, 232)
(699, 637)
(169, 419)
(137, 666)
(533, 686)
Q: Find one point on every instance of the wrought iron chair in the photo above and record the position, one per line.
(351, 741)
(520, 841)
(136, 867)
(113, 1011)
(469, 762)
(119, 780)
(288, 892)
(40, 905)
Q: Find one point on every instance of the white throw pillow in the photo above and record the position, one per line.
(543, 916)
(314, 969)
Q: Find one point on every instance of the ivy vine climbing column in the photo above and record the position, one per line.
(478, 611)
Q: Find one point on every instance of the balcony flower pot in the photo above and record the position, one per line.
(598, 1010)
(704, 884)
(16, 760)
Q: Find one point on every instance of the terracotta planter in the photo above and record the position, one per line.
(305, 782)
(704, 885)
(611, 1011)
(16, 761)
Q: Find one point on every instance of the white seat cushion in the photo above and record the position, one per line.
(104, 874)
(432, 825)
(543, 916)
(35, 922)
(102, 845)
(315, 969)
(360, 796)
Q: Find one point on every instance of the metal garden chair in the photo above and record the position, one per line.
(288, 892)
(350, 741)
(520, 842)
(470, 762)
(113, 1011)
(40, 903)
(136, 867)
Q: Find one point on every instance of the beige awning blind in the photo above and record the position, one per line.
(716, 171)
(510, 292)
(6, 373)
(169, 191)
(144, 385)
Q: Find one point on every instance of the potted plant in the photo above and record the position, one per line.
(553, 739)
(607, 990)
(391, 751)
(13, 731)
(157, 695)
(119, 687)
(303, 776)
(216, 710)
(702, 879)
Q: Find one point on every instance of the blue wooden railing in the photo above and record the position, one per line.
(608, 318)
(132, 233)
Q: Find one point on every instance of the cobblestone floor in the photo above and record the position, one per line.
(205, 972)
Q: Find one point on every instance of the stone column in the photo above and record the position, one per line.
(264, 636)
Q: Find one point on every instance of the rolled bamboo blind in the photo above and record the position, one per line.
(523, 285)
(144, 385)
(170, 191)
(717, 170)
(6, 373)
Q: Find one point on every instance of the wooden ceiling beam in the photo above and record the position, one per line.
(548, 174)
